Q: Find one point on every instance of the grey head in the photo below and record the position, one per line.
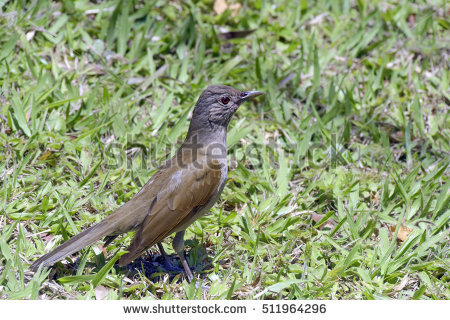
(217, 104)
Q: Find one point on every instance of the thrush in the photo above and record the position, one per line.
(181, 191)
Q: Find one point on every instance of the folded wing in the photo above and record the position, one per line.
(186, 190)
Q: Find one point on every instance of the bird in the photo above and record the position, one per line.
(182, 190)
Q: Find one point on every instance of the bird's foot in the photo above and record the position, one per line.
(169, 266)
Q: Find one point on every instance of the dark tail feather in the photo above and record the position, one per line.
(74, 244)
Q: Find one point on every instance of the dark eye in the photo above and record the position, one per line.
(225, 100)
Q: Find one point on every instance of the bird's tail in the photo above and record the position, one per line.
(74, 244)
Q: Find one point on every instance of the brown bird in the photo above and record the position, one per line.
(180, 192)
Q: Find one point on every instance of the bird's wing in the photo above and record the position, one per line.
(182, 192)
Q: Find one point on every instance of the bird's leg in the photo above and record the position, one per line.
(163, 252)
(167, 261)
(178, 245)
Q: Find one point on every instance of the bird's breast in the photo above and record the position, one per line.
(200, 211)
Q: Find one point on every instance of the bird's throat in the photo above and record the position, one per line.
(205, 142)
(207, 134)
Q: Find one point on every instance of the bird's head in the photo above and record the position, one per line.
(218, 103)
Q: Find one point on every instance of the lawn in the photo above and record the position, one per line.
(339, 176)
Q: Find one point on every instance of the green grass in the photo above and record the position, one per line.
(350, 143)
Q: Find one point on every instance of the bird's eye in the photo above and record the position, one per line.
(225, 100)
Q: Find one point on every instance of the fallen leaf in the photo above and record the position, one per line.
(220, 6)
(256, 281)
(46, 236)
(234, 8)
(402, 283)
(317, 217)
(375, 198)
(101, 292)
(402, 234)
(103, 249)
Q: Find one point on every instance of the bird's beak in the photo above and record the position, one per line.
(249, 95)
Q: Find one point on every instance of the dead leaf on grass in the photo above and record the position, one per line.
(46, 236)
(317, 217)
(101, 292)
(103, 249)
(402, 283)
(220, 6)
(403, 233)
